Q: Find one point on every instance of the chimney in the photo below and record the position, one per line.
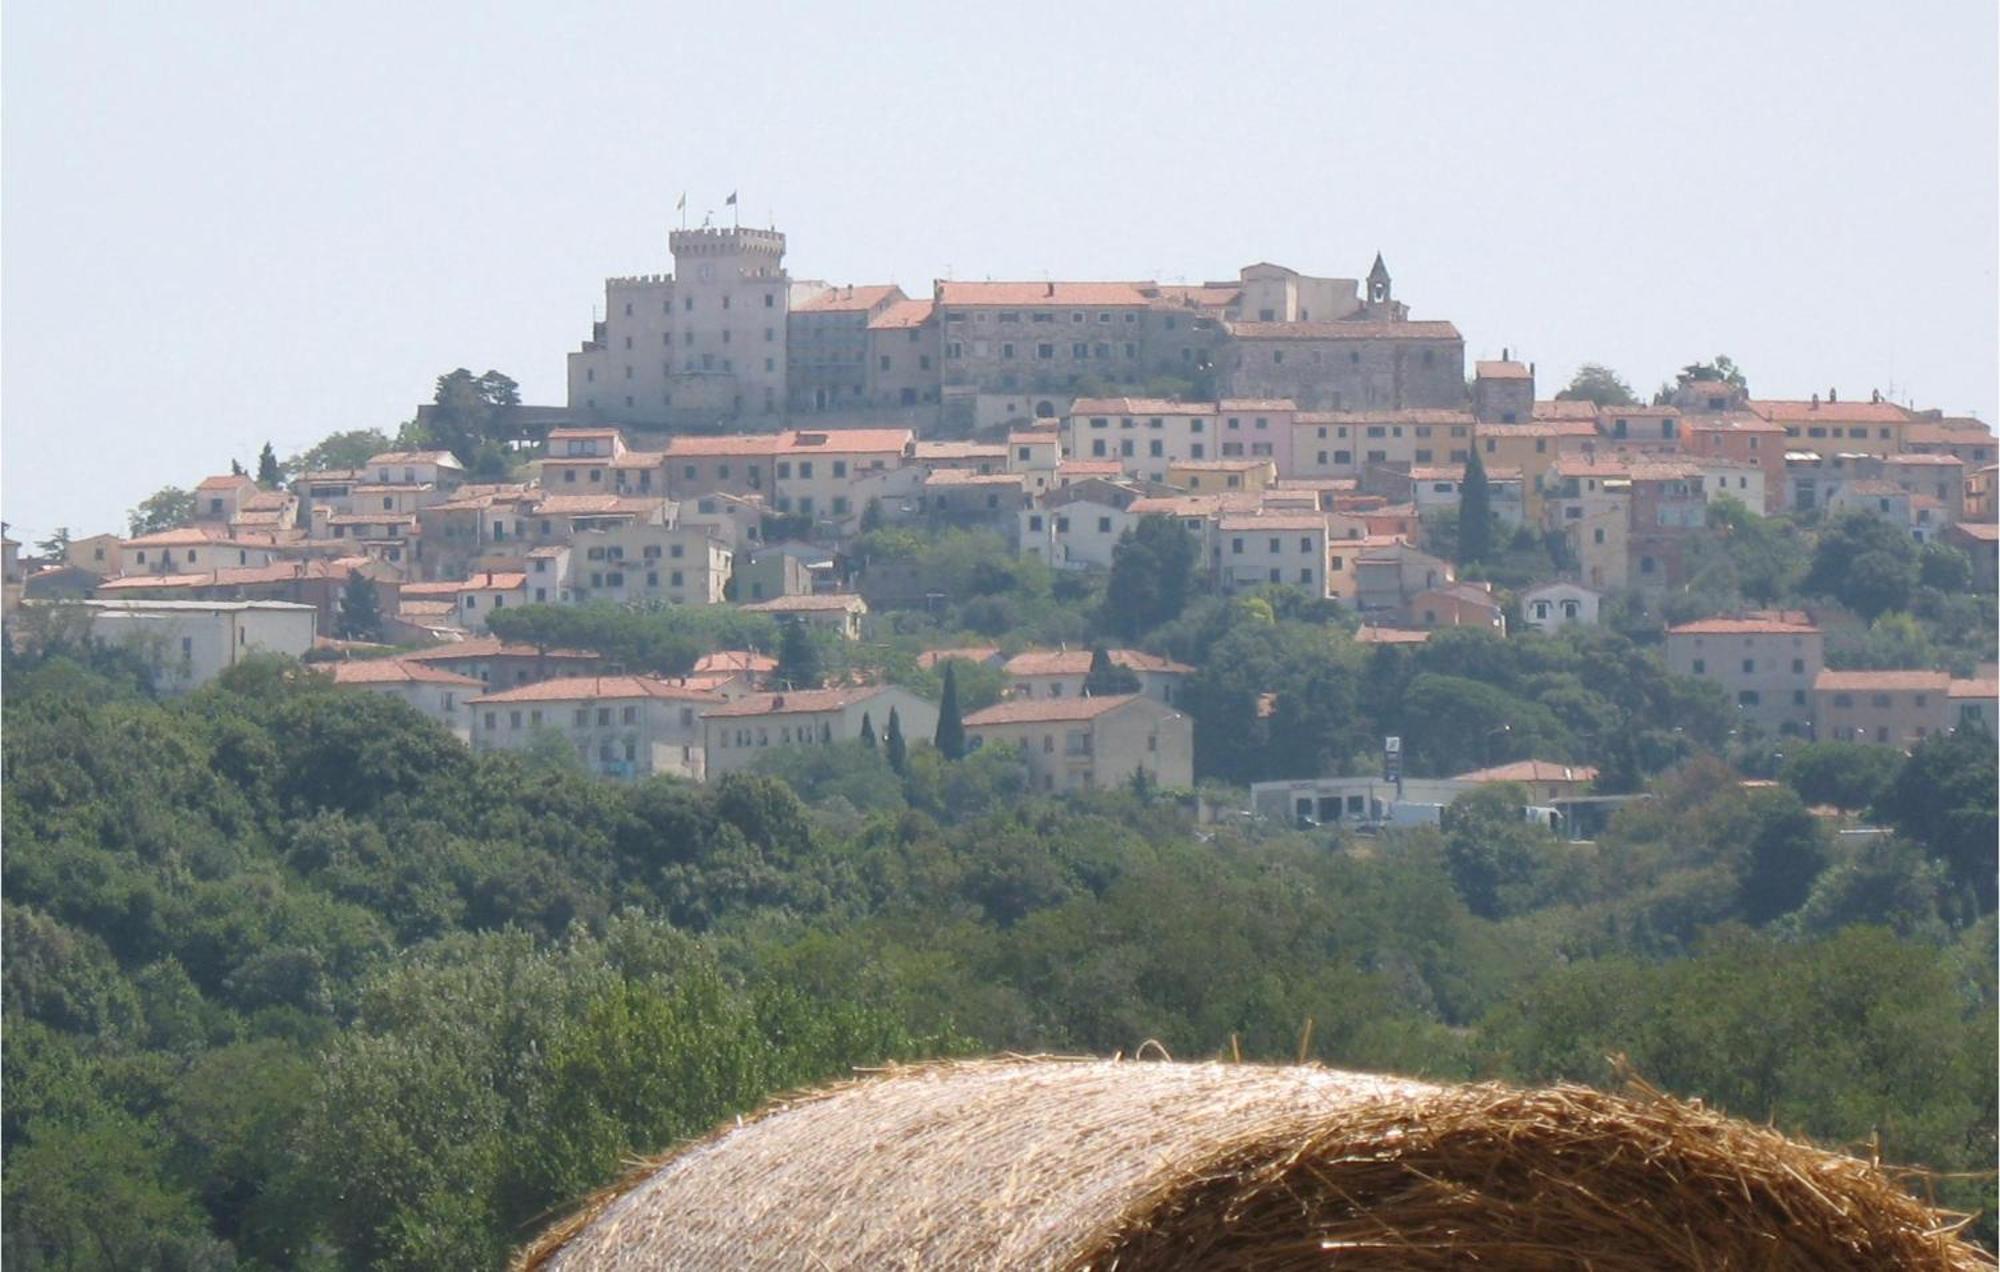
(1833, 395)
(777, 701)
(1815, 402)
(1506, 354)
(1875, 395)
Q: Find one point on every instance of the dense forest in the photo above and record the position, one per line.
(292, 979)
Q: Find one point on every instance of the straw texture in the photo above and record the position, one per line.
(1103, 1165)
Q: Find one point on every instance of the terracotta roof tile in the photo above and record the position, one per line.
(392, 671)
(1743, 627)
(1531, 771)
(1040, 295)
(585, 688)
(849, 300)
(1357, 329)
(794, 702)
(1076, 662)
(902, 315)
(1910, 681)
(1051, 710)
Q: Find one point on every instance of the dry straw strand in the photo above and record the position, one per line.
(1069, 1163)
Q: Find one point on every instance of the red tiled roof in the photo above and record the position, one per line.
(492, 647)
(1389, 636)
(443, 458)
(1076, 662)
(1743, 627)
(392, 671)
(795, 701)
(1039, 295)
(728, 444)
(227, 481)
(183, 536)
(1051, 710)
(845, 441)
(1531, 771)
(1809, 412)
(1353, 330)
(961, 450)
(1910, 681)
(1558, 409)
(902, 315)
(1257, 404)
(492, 582)
(1414, 415)
(596, 505)
(1975, 688)
(1497, 370)
(580, 688)
(805, 604)
(1545, 428)
(849, 300)
(1940, 461)
(1985, 530)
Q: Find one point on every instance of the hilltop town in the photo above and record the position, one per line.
(787, 453)
(405, 835)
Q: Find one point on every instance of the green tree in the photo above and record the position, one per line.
(1595, 382)
(165, 508)
(1783, 858)
(1106, 677)
(269, 475)
(1943, 798)
(950, 737)
(56, 546)
(1840, 774)
(893, 744)
(871, 515)
(867, 731)
(800, 665)
(1863, 562)
(1152, 570)
(351, 449)
(470, 411)
(1944, 567)
(1475, 512)
(360, 609)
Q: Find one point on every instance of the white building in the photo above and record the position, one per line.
(735, 734)
(436, 693)
(621, 726)
(1146, 436)
(1552, 605)
(1259, 550)
(190, 643)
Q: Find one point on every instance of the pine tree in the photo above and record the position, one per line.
(360, 609)
(892, 742)
(951, 723)
(1475, 512)
(268, 474)
(867, 731)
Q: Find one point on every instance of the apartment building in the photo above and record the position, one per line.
(1261, 549)
(628, 727)
(1081, 744)
(190, 550)
(437, 694)
(1767, 665)
(1060, 673)
(904, 355)
(1746, 439)
(1350, 443)
(1145, 435)
(496, 664)
(1041, 339)
(639, 561)
(1894, 708)
(736, 734)
(1854, 428)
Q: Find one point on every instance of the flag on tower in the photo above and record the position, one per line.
(682, 206)
(731, 200)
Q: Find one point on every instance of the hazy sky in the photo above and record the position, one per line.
(228, 223)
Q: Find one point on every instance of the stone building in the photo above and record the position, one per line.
(1766, 664)
(704, 343)
(1503, 392)
(827, 347)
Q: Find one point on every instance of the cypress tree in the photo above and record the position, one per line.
(1475, 513)
(867, 731)
(360, 609)
(893, 744)
(268, 474)
(950, 737)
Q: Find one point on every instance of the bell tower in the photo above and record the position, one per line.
(1378, 283)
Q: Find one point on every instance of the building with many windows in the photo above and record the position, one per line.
(1767, 664)
(621, 726)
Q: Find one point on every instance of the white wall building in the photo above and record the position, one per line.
(621, 726)
(190, 643)
(1081, 744)
(1552, 605)
(436, 693)
(736, 734)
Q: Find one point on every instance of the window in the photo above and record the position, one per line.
(1748, 698)
(1701, 666)
(1749, 666)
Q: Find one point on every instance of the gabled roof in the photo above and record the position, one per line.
(1051, 710)
(849, 300)
(902, 315)
(1497, 370)
(587, 688)
(181, 537)
(226, 481)
(796, 702)
(1743, 627)
(1076, 662)
(1792, 411)
(393, 671)
(494, 647)
(442, 458)
(735, 660)
(1038, 295)
(1913, 681)
(497, 581)
(806, 604)
(1531, 771)
(1139, 406)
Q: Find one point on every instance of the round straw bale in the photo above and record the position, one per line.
(1104, 1165)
